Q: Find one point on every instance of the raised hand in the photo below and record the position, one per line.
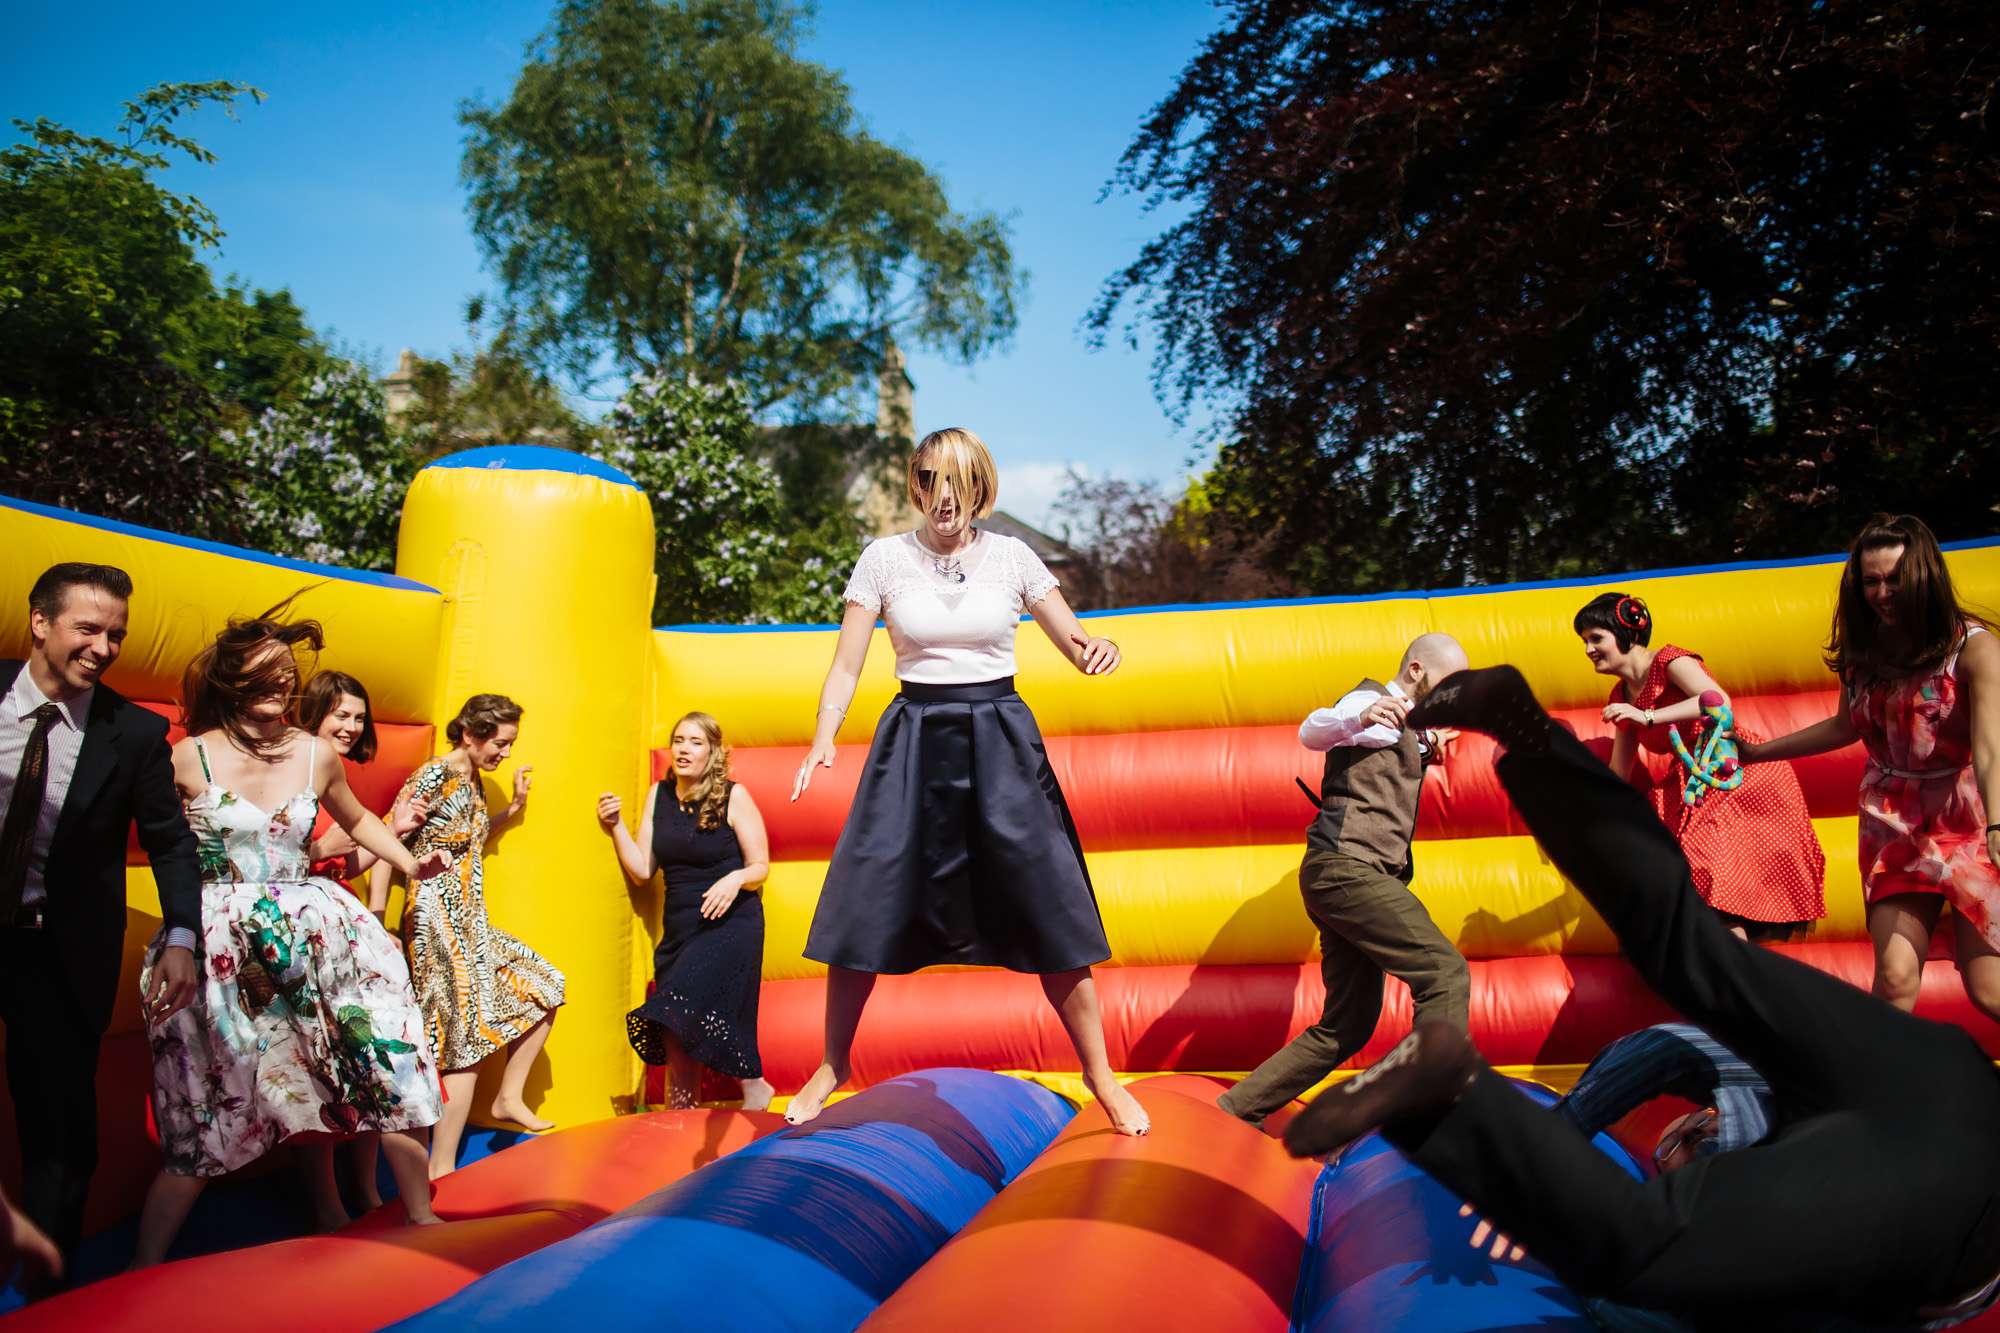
(1387, 711)
(1100, 657)
(522, 778)
(409, 815)
(609, 808)
(820, 756)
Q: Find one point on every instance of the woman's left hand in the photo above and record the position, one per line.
(522, 781)
(1100, 657)
(718, 898)
(409, 815)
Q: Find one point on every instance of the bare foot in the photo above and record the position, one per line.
(509, 1109)
(427, 1218)
(440, 1169)
(756, 1095)
(1126, 1115)
(370, 1200)
(811, 1099)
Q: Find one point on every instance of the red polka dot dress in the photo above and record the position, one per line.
(1752, 851)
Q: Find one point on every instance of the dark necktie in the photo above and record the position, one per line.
(24, 810)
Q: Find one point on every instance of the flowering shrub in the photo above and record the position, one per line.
(322, 478)
(720, 516)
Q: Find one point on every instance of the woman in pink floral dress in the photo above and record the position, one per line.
(1920, 680)
(305, 1021)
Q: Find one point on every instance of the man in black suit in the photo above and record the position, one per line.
(79, 765)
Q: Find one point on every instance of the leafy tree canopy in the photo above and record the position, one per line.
(669, 190)
(1492, 291)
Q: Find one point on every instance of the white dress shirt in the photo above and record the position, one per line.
(65, 743)
(1331, 728)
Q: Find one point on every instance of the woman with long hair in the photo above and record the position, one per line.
(305, 1021)
(480, 988)
(706, 835)
(1920, 688)
(959, 847)
(1752, 850)
(334, 707)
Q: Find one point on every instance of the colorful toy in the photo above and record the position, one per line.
(1714, 765)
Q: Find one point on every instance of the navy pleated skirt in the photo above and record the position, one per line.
(959, 847)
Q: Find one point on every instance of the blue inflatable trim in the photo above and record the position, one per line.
(533, 458)
(810, 1228)
(1386, 1248)
(1592, 581)
(213, 548)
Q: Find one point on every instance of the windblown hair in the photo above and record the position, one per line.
(240, 667)
(481, 716)
(1624, 617)
(322, 694)
(711, 791)
(1930, 620)
(962, 458)
(52, 588)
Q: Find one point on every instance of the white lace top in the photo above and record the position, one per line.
(947, 631)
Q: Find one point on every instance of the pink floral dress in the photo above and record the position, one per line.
(304, 1021)
(1923, 825)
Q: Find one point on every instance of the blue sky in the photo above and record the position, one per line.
(343, 186)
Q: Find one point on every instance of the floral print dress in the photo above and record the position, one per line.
(479, 987)
(304, 1021)
(1923, 824)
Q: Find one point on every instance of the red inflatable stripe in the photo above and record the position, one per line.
(1238, 785)
(399, 748)
(1548, 1010)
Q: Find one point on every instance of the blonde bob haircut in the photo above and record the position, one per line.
(961, 458)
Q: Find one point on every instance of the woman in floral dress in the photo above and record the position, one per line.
(1752, 851)
(1920, 678)
(305, 1021)
(480, 988)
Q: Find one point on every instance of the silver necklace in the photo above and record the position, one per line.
(949, 566)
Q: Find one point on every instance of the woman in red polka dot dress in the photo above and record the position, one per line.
(1920, 678)
(1752, 850)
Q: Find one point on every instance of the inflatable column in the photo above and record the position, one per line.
(545, 560)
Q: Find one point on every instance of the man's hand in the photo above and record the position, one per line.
(1387, 711)
(1502, 1246)
(175, 978)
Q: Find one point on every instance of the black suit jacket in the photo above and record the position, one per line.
(124, 775)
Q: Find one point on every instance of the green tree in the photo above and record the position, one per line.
(670, 190)
(323, 477)
(728, 550)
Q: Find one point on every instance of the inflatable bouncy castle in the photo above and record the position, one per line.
(958, 1185)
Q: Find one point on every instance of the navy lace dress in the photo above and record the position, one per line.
(705, 973)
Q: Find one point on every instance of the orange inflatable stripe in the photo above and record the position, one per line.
(1524, 1011)
(1199, 1225)
(1236, 785)
(378, 1270)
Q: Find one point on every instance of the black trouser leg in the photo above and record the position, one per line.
(52, 1078)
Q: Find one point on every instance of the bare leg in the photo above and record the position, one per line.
(847, 994)
(367, 1149)
(1978, 967)
(450, 1128)
(756, 1094)
(167, 1203)
(1901, 928)
(408, 1161)
(1074, 995)
(683, 1077)
(316, 1161)
(508, 1103)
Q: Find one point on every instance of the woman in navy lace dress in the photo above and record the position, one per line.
(706, 837)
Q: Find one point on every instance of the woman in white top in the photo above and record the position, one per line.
(959, 847)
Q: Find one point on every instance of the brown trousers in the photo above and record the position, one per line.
(1369, 923)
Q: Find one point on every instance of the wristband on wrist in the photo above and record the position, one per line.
(1991, 827)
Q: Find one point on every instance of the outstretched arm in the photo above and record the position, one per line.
(634, 858)
(1979, 670)
(368, 832)
(1819, 738)
(850, 652)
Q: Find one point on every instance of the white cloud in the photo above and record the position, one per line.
(1028, 491)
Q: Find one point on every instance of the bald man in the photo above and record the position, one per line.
(1356, 879)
